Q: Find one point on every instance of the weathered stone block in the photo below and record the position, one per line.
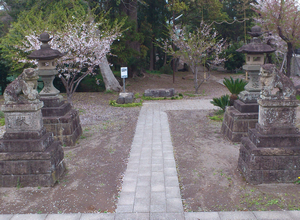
(24, 145)
(52, 101)
(236, 124)
(160, 92)
(277, 113)
(43, 168)
(66, 129)
(274, 141)
(125, 97)
(268, 165)
(246, 107)
(57, 110)
(23, 117)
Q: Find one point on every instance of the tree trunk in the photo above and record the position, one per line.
(110, 81)
(130, 7)
(289, 56)
(151, 57)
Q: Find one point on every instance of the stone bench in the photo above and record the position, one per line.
(160, 92)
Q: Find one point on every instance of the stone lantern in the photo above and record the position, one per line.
(46, 57)
(238, 119)
(58, 117)
(254, 51)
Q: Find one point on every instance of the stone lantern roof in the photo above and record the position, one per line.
(256, 46)
(45, 53)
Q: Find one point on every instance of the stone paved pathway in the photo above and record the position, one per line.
(150, 188)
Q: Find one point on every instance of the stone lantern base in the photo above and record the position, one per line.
(61, 119)
(236, 123)
(29, 156)
(243, 115)
(271, 152)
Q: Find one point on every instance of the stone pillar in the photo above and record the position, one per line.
(271, 152)
(29, 156)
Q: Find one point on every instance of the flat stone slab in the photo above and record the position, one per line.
(160, 92)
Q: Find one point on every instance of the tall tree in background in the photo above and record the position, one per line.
(195, 48)
(282, 17)
(153, 20)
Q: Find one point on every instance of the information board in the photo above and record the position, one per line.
(124, 72)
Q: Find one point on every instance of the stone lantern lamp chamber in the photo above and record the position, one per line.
(58, 116)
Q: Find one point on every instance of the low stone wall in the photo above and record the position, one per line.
(160, 92)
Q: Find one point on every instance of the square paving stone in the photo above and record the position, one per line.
(170, 171)
(173, 192)
(124, 208)
(202, 215)
(237, 216)
(100, 216)
(132, 216)
(294, 214)
(64, 216)
(171, 181)
(166, 216)
(142, 192)
(272, 215)
(158, 198)
(157, 168)
(6, 216)
(143, 181)
(126, 198)
(174, 205)
(158, 208)
(141, 205)
(128, 185)
(29, 216)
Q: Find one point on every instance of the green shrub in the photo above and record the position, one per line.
(135, 104)
(234, 87)
(234, 59)
(2, 121)
(89, 84)
(221, 102)
(166, 69)
(162, 98)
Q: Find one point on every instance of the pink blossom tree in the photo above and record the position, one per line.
(282, 17)
(84, 42)
(195, 48)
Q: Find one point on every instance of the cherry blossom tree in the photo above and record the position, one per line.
(84, 42)
(195, 49)
(282, 17)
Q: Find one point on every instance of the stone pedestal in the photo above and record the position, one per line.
(61, 119)
(236, 124)
(29, 156)
(271, 152)
(243, 115)
(125, 97)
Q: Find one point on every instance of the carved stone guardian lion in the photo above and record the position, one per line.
(23, 89)
(271, 79)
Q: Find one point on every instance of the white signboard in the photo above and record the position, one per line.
(124, 72)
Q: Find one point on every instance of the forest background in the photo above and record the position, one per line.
(146, 25)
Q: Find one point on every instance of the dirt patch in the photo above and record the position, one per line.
(208, 175)
(94, 166)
